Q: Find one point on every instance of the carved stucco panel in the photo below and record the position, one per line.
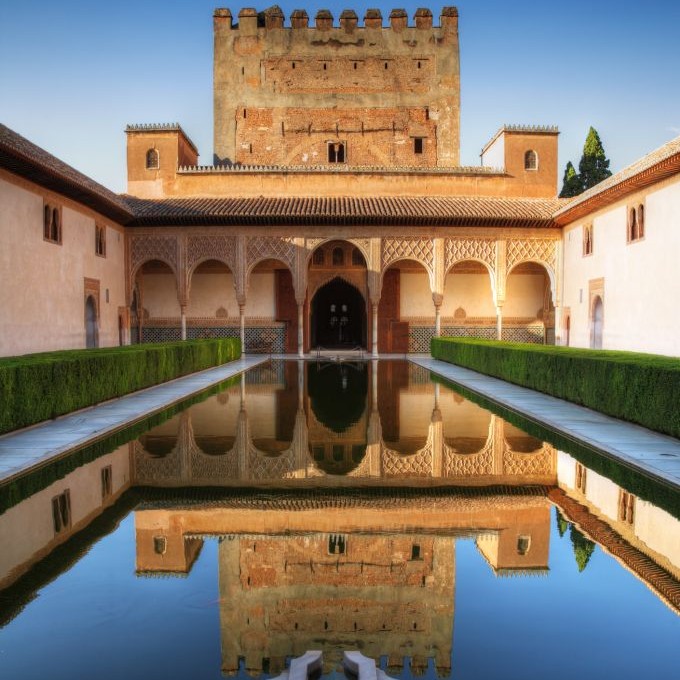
(419, 249)
(462, 249)
(144, 248)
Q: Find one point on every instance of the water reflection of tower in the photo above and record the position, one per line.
(384, 594)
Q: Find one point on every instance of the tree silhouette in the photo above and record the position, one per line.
(592, 169)
(583, 547)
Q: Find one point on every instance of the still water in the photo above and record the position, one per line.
(337, 506)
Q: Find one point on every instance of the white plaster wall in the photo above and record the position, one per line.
(261, 409)
(659, 530)
(463, 419)
(641, 282)
(42, 292)
(415, 414)
(524, 295)
(159, 295)
(261, 300)
(472, 292)
(213, 418)
(28, 528)
(603, 494)
(566, 470)
(415, 296)
(209, 292)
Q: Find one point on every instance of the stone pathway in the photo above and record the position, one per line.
(655, 454)
(20, 451)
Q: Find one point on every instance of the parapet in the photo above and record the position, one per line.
(249, 19)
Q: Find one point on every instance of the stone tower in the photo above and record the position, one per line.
(336, 95)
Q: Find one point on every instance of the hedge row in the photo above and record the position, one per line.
(36, 387)
(640, 388)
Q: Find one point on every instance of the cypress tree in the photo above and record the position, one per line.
(594, 165)
(571, 184)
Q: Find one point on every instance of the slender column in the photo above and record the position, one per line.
(374, 308)
(242, 325)
(183, 321)
(437, 298)
(301, 329)
(558, 325)
(499, 322)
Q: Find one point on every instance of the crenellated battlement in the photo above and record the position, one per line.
(249, 20)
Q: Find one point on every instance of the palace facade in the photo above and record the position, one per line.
(336, 214)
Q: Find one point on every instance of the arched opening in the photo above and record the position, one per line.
(156, 302)
(528, 312)
(337, 424)
(468, 308)
(271, 310)
(152, 160)
(406, 310)
(596, 323)
(342, 264)
(338, 316)
(272, 411)
(213, 310)
(405, 415)
(215, 421)
(91, 330)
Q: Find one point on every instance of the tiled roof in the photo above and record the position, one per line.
(655, 166)
(340, 211)
(27, 160)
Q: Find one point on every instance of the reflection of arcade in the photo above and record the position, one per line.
(367, 422)
(376, 574)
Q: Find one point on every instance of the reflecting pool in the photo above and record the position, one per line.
(337, 506)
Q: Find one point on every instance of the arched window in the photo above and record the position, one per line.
(632, 225)
(152, 159)
(100, 240)
(531, 160)
(588, 239)
(318, 257)
(641, 221)
(338, 257)
(357, 258)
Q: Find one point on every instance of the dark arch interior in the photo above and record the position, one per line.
(338, 316)
(337, 393)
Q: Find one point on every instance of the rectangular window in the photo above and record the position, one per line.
(61, 512)
(580, 477)
(106, 482)
(418, 145)
(626, 507)
(337, 544)
(336, 152)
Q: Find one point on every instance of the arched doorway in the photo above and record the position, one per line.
(528, 312)
(91, 334)
(338, 316)
(597, 323)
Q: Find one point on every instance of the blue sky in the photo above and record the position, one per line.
(74, 73)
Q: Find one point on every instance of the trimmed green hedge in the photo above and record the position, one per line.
(36, 387)
(640, 388)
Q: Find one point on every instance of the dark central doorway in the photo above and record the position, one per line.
(338, 316)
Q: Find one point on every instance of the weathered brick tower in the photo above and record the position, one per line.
(345, 96)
